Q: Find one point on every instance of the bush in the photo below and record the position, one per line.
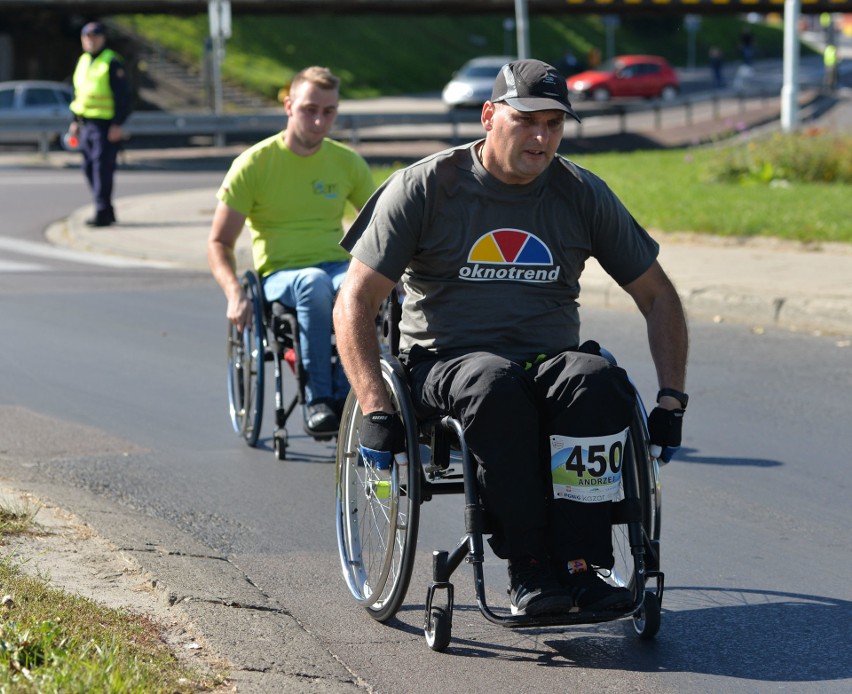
(811, 156)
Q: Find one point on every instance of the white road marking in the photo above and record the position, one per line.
(42, 250)
(12, 266)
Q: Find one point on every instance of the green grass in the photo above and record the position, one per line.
(384, 55)
(52, 642)
(679, 190)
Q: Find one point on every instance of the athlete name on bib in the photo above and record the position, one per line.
(587, 469)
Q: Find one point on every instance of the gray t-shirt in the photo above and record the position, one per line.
(486, 265)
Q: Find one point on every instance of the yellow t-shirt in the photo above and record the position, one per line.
(295, 204)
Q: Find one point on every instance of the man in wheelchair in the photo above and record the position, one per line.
(489, 240)
(293, 188)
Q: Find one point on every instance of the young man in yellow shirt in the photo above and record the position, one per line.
(292, 190)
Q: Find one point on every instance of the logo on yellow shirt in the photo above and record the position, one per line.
(326, 190)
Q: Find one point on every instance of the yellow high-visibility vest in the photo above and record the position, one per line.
(830, 56)
(92, 94)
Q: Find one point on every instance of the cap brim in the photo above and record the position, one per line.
(529, 104)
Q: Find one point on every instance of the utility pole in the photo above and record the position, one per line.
(220, 29)
(790, 88)
(522, 25)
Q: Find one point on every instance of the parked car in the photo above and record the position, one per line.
(471, 84)
(34, 99)
(627, 76)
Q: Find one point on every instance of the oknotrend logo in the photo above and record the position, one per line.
(509, 254)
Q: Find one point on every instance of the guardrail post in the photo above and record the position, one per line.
(43, 143)
(715, 106)
(354, 135)
(688, 109)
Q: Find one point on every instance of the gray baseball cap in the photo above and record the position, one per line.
(531, 85)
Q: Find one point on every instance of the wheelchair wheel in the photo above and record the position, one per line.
(439, 628)
(377, 516)
(279, 444)
(646, 621)
(637, 459)
(246, 358)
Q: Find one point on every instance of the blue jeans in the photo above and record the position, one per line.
(311, 291)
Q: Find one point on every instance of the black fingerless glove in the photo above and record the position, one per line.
(381, 436)
(665, 428)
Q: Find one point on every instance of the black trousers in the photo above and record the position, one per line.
(99, 157)
(508, 411)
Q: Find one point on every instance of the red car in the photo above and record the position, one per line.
(626, 75)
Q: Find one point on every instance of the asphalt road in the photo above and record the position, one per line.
(112, 403)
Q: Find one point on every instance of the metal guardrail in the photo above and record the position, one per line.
(356, 127)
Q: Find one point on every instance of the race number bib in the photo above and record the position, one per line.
(587, 469)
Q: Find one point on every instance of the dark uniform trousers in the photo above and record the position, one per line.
(508, 411)
(99, 157)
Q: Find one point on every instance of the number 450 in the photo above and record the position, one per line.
(598, 462)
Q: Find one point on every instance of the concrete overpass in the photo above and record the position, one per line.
(190, 7)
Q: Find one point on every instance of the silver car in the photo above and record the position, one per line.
(34, 99)
(472, 83)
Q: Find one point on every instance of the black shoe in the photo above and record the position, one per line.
(101, 219)
(590, 592)
(320, 419)
(533, 589)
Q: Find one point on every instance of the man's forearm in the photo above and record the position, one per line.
(668, 339)
(223, 266)
(358, 347)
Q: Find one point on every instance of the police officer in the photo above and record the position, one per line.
(829, 57)
(101, 105)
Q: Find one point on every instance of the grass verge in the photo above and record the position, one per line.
(51, 641)
(730, 190)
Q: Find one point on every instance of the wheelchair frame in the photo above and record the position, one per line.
(378, 521)
(271, 332)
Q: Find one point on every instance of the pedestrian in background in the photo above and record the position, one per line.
(746, 46)
(716, 65)
(101, 105)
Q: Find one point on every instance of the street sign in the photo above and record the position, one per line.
(220, 18)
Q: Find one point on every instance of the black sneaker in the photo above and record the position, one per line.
(103, 218)
(320, 419)
(533, 589)
(99, 221)
(590, 592)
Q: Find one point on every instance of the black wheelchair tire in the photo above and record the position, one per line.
(438, 628)
(246, 361)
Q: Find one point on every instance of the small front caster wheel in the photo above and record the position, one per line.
(646, 621)
(279, 443)
(438, 628)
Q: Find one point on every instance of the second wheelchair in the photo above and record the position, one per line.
(270, 335)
